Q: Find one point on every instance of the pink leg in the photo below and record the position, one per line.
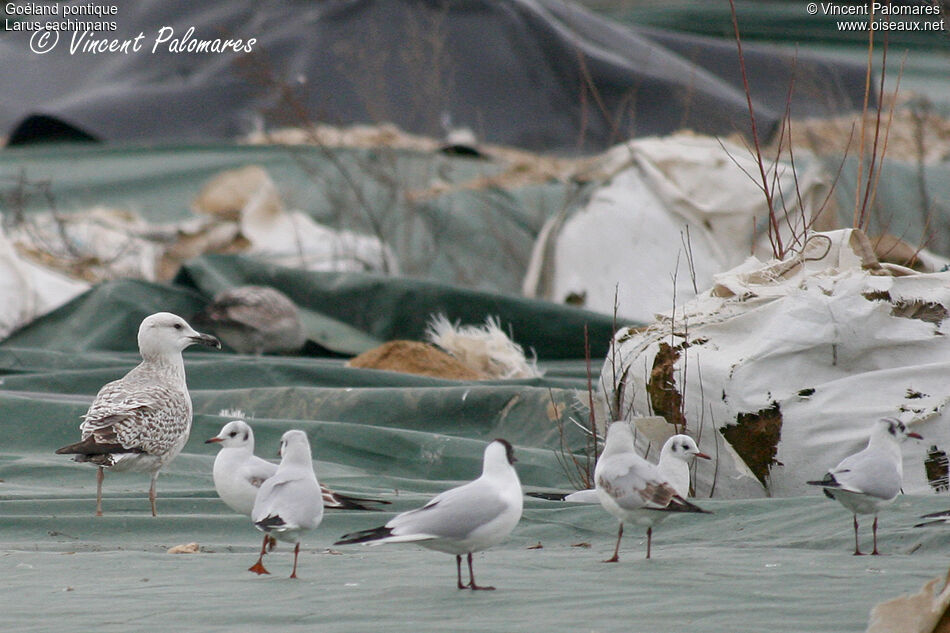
(100, 475)
(152, 495)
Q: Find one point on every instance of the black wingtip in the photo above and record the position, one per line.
(365, 536)
(271, 522)
(548, 496)
(679, 504)
(943, 514)
(347, 502)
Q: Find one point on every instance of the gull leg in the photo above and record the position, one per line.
(258, 567)
(152, 496)
(458, 569)
(857, 550)
(100, 475)
(649, 540)
(616, 557)
(471, 577)
(874, 552)
(293, 574)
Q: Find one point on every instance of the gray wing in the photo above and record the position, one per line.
(633, 483)
(454, 514)
(297, 501)
(256, 471)
(869, 472)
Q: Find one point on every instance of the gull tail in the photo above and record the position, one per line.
(365, 536)
(828, 482)
(548, 496)
(339, 501)
(272, 522)
(940, 518)
(679, 504)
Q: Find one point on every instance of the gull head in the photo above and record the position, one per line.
(295, 447)
(499, 456)
(234, 434)
(682, 447)
(164, 334)
(894, 429)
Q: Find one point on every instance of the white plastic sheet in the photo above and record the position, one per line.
(668, 201)
(781, 367)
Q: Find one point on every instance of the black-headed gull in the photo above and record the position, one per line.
(869, 480)
(254, 320)
(140, 422)
(675, 457)
(238, 473)
(290, 502)
(462, 520)
(631, 488)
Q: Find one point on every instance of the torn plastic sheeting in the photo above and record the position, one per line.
(677, 211)
(780, 369)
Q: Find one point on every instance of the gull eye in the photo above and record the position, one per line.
(232, 434)
(177, 326)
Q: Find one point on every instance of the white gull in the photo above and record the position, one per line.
(870, 479)
(290, 502)
(632, 489)
(462, 520)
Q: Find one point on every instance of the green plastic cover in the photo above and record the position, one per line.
(776, 565)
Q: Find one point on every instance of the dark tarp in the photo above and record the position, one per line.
(540, 74)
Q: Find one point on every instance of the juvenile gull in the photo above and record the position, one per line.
(675, 457)
(462, 520)
(141, 422)
(254, 320)
(632, 489)
(290, 502)
(238, 473)
(869, 480)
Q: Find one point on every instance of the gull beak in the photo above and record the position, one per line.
(214, 440)
(916, 436)
(206, 340)
(701, 455)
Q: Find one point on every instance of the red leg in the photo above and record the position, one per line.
(293, 574)
(458, 569)
(857, 550)
(874, 552)
(471, 576)
(616, 557)
(258, 567)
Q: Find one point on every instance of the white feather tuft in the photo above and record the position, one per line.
(486, 348)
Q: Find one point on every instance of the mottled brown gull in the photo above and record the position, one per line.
(141, 422)
(254, 320)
